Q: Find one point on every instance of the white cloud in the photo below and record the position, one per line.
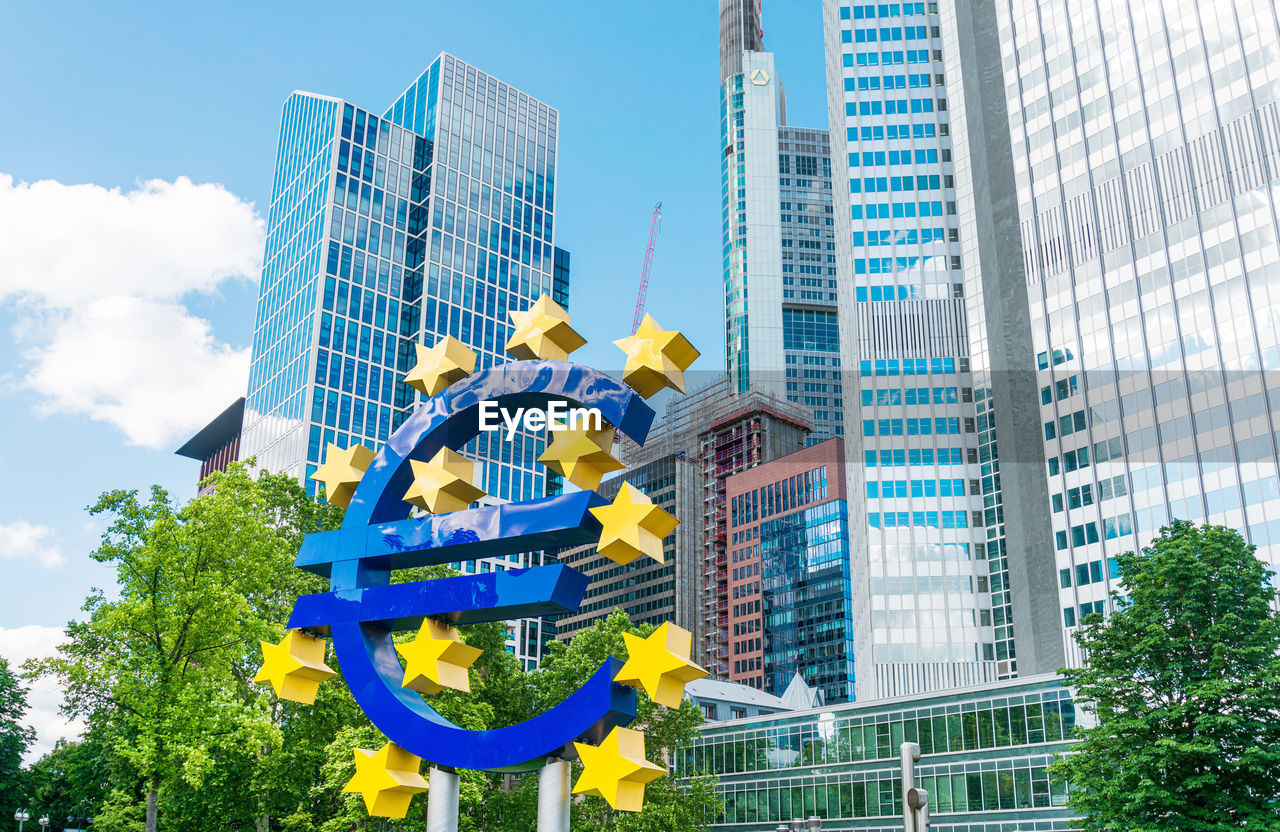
(22, 541)
(44, 697)
(144, 365)
(96, 278)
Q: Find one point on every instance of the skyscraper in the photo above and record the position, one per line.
(434, 218)
(951, 565)
(781, 333)
(1145, 142)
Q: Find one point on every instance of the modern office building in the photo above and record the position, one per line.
(984, 761)
(1145, 145)
(217, 445)
(790, 592)
(952, 556)
(781, 334)
(431, 217)
(647, 591)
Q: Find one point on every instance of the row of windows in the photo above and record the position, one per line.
(912, 366)
(1086, 609)
(1089, 573)
(870, 83)
(1085, 533)
(880, 132)
(915, 456)
(1065, 426)
(780, 496)
(1116, 486)
(932, 519)
(904, 236)
(894, 396)
(939, 426)
(899, 210)
(916, 488)
(863, 294)
(892, 106)
(1011, 787)
(888, 34)
(897, 58)
(804, 742)
(879, 158)
(890, 10)
(1064, 388)
(885, 184)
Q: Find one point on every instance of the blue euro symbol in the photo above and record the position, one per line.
(363, 609)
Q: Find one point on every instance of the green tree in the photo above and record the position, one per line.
(167, 666)
(70, 781)
(15, 738)
(1184, 681)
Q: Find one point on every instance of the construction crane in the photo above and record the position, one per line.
(648, 264)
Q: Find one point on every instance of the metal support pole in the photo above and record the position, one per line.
(553, 796)
(910, 756)
(442, 801)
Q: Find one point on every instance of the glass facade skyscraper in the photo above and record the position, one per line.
(941, 595)
(781, 333)
(1145, 143)
(434, 218)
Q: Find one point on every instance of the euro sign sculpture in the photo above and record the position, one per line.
(420, 466)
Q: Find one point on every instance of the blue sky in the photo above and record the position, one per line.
(114, 95)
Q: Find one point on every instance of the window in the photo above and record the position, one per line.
(737, 713)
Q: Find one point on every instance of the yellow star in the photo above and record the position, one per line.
(633, 526)
(617, 770)
(437, 659)
(656, 358)
(441, 365)
(295, 667)
(342, 471)
(581, 455)
(443, 484)
(660, 664)
(543, 331)
(387, 779)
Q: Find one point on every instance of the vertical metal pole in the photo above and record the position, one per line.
(442, 801)
(553, 796)
(910, 756)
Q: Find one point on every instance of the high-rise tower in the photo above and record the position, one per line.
(781, 333)
(434, 218)
(952, 553)
(1145, 143)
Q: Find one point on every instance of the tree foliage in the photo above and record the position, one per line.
(166, 665)
(1183, 680)
(15, 739)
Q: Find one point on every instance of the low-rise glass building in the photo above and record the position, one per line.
(985, 754)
